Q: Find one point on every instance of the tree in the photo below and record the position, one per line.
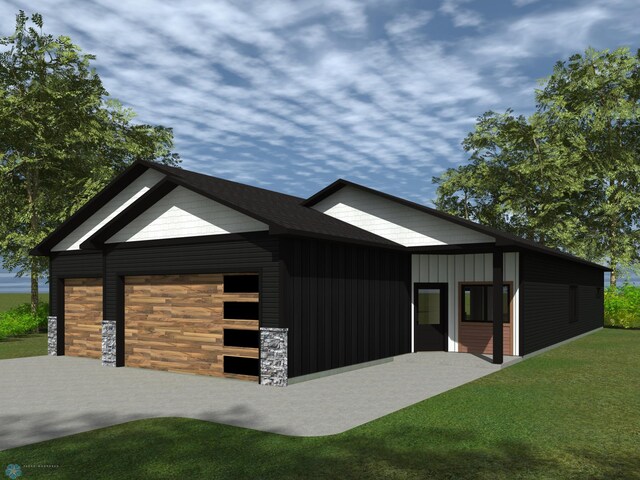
(568, 176)
(61, 140)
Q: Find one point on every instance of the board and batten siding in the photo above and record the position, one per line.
(453, 269)
(394, 221)
(71, 265)
(183, 213)
(109, 211)
(546, 283)
(343, 304)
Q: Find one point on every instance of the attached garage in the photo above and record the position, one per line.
(206, 276)
(83, 317)
(183, 323)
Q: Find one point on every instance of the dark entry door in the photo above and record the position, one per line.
(430, 316)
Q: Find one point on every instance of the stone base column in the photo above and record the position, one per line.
(273, 356)
(108, 343)
(52, 335)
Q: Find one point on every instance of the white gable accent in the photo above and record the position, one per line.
(112, 208)
(394, 221)
(183, 213)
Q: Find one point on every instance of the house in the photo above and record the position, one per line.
(174, 270)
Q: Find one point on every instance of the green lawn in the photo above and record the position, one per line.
(10, 300)
(23, 346)
(571, 413)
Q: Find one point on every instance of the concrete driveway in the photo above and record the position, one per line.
(48, 397)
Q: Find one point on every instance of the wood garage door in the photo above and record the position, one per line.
(177, 323)
(83, 317)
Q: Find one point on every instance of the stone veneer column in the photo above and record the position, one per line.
(273, 356)
(52, 335)
(108, 343)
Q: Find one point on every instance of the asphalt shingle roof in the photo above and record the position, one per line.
(285, 214)
(274, 208)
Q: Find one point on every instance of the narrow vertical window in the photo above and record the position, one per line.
(573, 303)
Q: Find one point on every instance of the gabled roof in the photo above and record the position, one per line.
(502, 238)
(114, 187)
(133, 211)
(283, 213)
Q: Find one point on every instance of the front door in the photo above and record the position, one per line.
(430, 316)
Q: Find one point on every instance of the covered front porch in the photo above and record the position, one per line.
(466, 302)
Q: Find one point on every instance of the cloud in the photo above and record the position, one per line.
(407, 22)
(292, 94)
(461, 17)
(562, 30)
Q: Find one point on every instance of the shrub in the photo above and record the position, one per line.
(19, 320)
(622, 306)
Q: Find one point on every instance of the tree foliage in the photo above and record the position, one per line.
(567, 176)
(61, 139)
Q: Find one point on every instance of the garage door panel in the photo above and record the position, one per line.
(178, 367)
(241, 352)
(252, 324)
(79, 305)
(175, 354)
(175, 323)
(83, 317)
(240, 297)
(189, 311)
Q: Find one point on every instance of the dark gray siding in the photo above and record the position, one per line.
(256, 252)
(544, 300)
(343, 304)
(72, 264)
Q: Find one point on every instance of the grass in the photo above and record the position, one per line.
(10, 300)
(23, 346)
(571, 413)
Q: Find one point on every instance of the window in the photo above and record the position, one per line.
(241, 310)
(241, 284)
(573, 303)
(234, 337)
(241, 365)
(477, 303)
(428, 306)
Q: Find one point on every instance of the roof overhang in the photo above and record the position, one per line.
(172, 180)
(114, 187)
(133, 211)
(503, 239)
(97, 240)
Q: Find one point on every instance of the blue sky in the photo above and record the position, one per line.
(290, 95)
